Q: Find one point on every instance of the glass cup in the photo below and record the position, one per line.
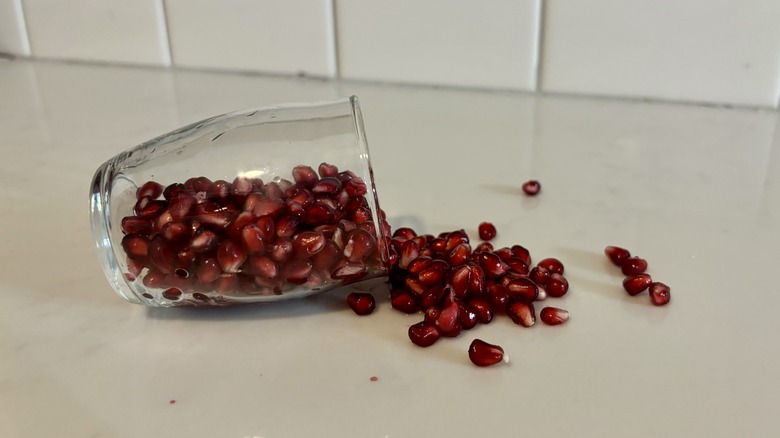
(237, 209)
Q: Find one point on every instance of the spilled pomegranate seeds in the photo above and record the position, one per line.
(532, 187)
(361, 303)
(483, 354)
(637, 281)
(487, 231)
(200, 242)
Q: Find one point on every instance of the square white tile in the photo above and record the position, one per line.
(105, 30)
(13, 35)
(491, 43)
(289, 36)
(719, 51)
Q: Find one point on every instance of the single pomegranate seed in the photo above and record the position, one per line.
(359, 245)
(180, 205)
(135, 246)
(448, 322)
(522, 289)
(492, 265)
(551, 264)
(345, 269)
(423, 334)
(186, 258)
(356, 187)
(318, 214)
(531, 187)
(498, 295)
(172, 190)
(432, 275)
(281, 250)
(297, 271)
(151, 189)
(264, 207)
(403, 301)
(455, 238)
(483, 354)
(309, 243)
(539, 275)
(415, 286)
(409, 252)
(204, 240)
(304, 175)
(553, 316)
(172, 294)
(287, 226)
(477, 280)
(419, 264)
(482, 309)
(219, 191)
(154, 279)
(327, 170)
(267, 228)
(460, 278)
(253, 239)
(557, 285)
(517, 265)
(404, 234)
(432, 297)
(504, 254)
(484, 246)
(617, 254)
(521, 313)
(265, 267)
(327, 186)
(660, 294)
(633, 265)
(176, 231)
(634, 284)
(459, 255)
(431, 314)
(135, 267)
(230, 256)
(438, 246)
(468, 318)
(237, 225)
(147, 209)
(136, 225)
(241, 186)
(487, 231)
(208, 270)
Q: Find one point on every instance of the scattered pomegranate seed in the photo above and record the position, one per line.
(557, 286)
(539, 275)
(553, 265)
(617, 254)
(404, 302)
(361, 303)
(660, 294)
(634, 284)
(483, 354)
(487, 231)
(531, 187)
(554, 316)
(633, 265)
(521, 313)
(423, 334)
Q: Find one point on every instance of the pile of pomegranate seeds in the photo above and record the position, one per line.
(532, 187)
(637, 280)
(456, 288)
(202, 241)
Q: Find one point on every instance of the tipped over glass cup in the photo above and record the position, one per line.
(252, 206)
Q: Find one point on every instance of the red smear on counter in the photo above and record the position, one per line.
(172, 402)
(374, 378)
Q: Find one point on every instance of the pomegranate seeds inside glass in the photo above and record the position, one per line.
(251, 206)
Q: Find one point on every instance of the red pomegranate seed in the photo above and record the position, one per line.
(455, 238)
(477, 280)
(327, 170)
(264, 207)
(230, 256)
(200, 297)
(267, 228)
(498, 295)
(432, 297)
(517, 265)
(186, 258)
(204, 240)
(198, 184)
(345, 269)
(149, 209)
(356, 187)
(136, 225)
(308, 243)
(173, 189)
(241, 186)
(484, 246)
(265, 267)
(551, 264)
(468, 318)
(617, 254)
(151, 189)
(234, 230)
(304, 175)
(522, 289)
(297, 271)
(660, 294)
(483, 354)
(633, 265)
(154, 279)
(504, 254)
(448, 322)
(492, 265)
(460, 278)
(135, 246)
(531, 187)
(361, 303)
(482, 309)
(134, 267)
(557, 285)
(253, 239)
(419, 264)
(404, 234)
(431, 314)
(208, 270)
(415, 286)
(521, 313)
(539, 275)
(634, 284)
(423, 334)
(172, 294)
(176, 231)
(287, 226)
(327, 186)
(487, 231)
(359, 245)
(180, 205)
(318, 214)
(432, 275)
(299, 195)
(554, 316)
(521, 253)
(327, 257)
(459, 255)
(438, 246)
(409, 252)
(403, 301)
(219, 191)
(281, 250)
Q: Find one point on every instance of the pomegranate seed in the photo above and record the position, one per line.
(660, 294)
(504, 254)
(186, 258)
(180, 205)
(135, 246)
(154, 279)
(356, 187)
(176, 231)
(482, 309)
(198, 184)
(423, 334)
(431, 314)
(460, 279)
(448, 322)
(432, 275)
(304, 175)
(455, 238)
(204, 240)
(484, 247)
(498, 295)
(327, 257)
(617, 254)
(253, 239)
(297, 271)
(539, 275)
(517, 266)
(327, 186)
(483, 354)
(264, 207)
(487, 231)
(554, 315)
(633, 265)
(308, 243)
(318, 214)
(403, 301)
(492, 265)
(200, 297)
(459, 255)
(299, 195)
(532, 187)
(172, 190)
(287, 226)
(438, 246)
(136, 225)
(551, 264)
(468, 318)
(281, 250)
(522, 289)
(415, 286)
(557, 285)
(359, 245)
(208, 270)
(404, 234)
(151, 189)
(219, 191)
(265, 267)
(521, 253)
(149, 209)
(267, 228)
(235, 229)
(230, 256)
(634, 284)
(327, 170)
(134, 267)
(361, 303)
(172, 294)
(419, 264)
(476, 280)
(521, 313)
(241, 186)
(345, 269)
(409, 252)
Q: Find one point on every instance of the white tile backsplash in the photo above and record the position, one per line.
(720, 51)
(289, 36)
(106, 30)
(13, 35)
(489, 43)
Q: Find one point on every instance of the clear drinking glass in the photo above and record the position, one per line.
(225, 211)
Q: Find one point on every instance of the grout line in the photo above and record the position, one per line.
(25, 35)
(539, 54)
(165, 33)
(335, 62)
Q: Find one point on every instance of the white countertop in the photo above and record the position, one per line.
(694, 190)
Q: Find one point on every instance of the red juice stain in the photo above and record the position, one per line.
(374, 378)
(171, 402)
